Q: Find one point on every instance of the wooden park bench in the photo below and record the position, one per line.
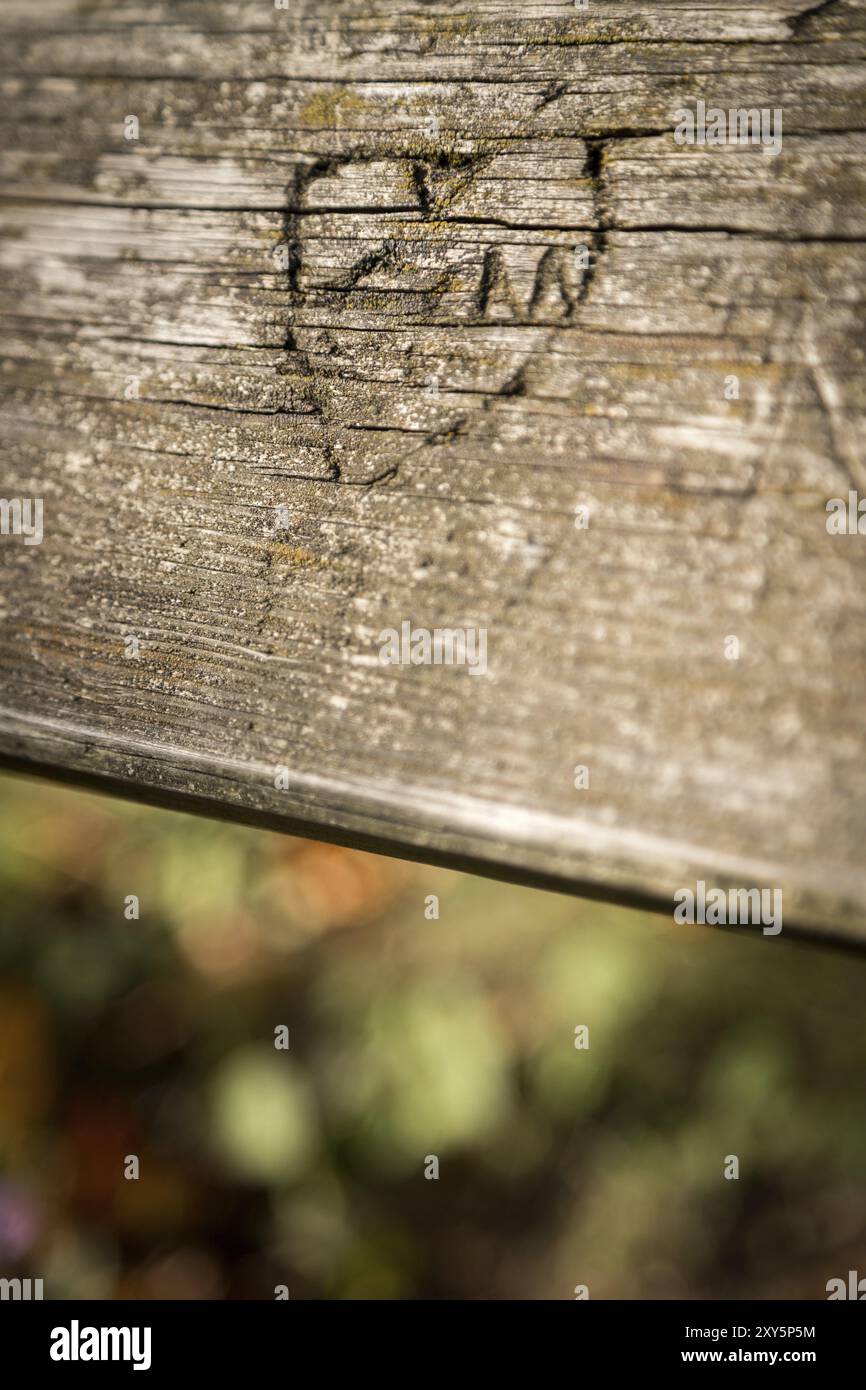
(433, 434)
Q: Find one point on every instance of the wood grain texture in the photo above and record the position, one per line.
(315, 355)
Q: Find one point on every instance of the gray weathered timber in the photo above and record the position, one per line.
(316, 354)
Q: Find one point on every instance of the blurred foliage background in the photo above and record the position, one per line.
(408, 1037)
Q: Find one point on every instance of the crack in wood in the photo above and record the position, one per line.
(804, 19)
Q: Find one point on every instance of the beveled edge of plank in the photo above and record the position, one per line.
(457, 831)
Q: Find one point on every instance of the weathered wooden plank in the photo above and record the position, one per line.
(322, 351)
